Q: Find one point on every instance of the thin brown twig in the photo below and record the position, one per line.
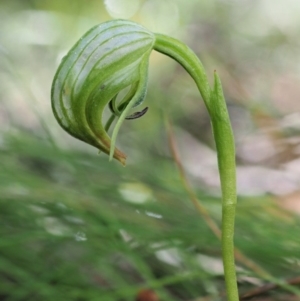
(265, 288)
(201, 209)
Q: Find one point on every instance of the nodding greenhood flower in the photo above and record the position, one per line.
(109, 58)
(114, 56)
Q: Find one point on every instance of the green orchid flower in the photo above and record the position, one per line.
(114, 56)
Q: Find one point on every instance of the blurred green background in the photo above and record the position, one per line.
(75, 227)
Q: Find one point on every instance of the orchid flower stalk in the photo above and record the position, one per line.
(115, 55)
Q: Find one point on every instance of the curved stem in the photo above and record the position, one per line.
(187, 59)
(224, 140)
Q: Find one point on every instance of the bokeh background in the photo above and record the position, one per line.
(75, 227)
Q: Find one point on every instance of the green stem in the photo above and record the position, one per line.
(187, 59)
(223, 136)
(224, 140)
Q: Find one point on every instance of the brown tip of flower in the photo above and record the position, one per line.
(120, 156)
